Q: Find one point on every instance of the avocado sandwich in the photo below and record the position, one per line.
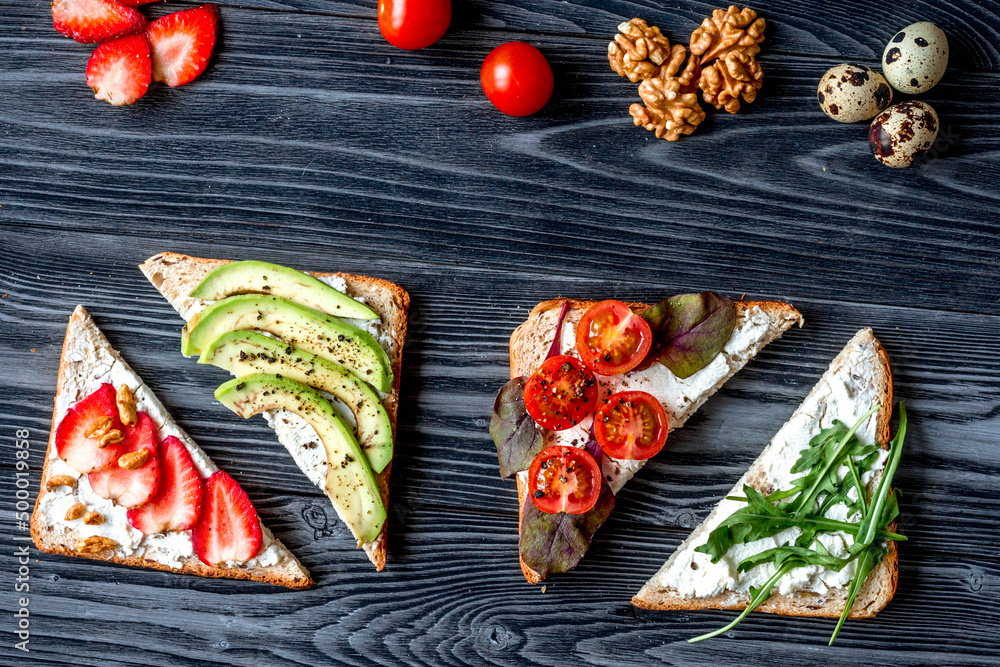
(318, 354)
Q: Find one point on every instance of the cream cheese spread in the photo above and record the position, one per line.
(89, 364)
(679, 397)
(844, 396)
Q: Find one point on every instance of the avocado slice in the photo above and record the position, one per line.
(247, 352)
(265, 278)
(299, 325)
(350, 484)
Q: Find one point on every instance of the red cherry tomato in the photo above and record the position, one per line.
(413, 24)
(517, 79)
(611, 339)
(631, 425)
(561, 394)
(564, 479)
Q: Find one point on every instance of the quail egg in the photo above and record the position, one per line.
(849, 93)
(901, 132)
(915, 58)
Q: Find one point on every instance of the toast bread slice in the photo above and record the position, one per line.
(87, 361)
(863, 363)
(176, 276)
(531, 340)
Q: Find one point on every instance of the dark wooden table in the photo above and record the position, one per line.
(311, 142)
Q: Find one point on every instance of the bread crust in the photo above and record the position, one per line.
(878, 589)
(389, 300)
(525, 358)
(47, 541)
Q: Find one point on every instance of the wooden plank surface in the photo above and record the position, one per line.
(311, 142)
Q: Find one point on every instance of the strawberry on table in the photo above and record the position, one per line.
(181, 44)
(119, 71)
(131, 486)
(86, 425)
(177, 501)
(228, 528)
(90, 21)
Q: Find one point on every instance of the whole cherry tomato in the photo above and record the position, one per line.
(517, 79)
(561, 393)
(611, 339)
(564, 479)
(413, 24)
(631, 425)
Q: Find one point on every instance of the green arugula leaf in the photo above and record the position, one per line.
(757, 520)
(822, 458)
(803, 507)
(803, 555)
(758, 596)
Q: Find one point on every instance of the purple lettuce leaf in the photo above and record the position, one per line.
(557, 542)
(554, 348)
(514, 433)
(689, 330)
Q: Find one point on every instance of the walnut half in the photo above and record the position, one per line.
(728, 31)
(668, 111)
(638, 50)
(671, 100)
(724, 81)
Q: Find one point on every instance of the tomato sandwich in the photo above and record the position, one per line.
(596, 388)
(123, 483)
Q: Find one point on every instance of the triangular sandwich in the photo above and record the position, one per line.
(858, 379)
(757, 324)
(122, 482)
(177, 276)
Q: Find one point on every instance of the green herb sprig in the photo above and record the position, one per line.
(803, 506)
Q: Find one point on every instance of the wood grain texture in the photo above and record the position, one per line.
(432, 605)
(437, 173)
(311, 142)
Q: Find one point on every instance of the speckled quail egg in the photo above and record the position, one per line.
(903, 131)
(915, 58)
(850, 93)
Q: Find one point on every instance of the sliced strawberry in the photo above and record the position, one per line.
(131, 488)
(90, 21)
(177, 501)
(134, 3)
(80, 452)
(182, 43)
(228, 528)
(119, 71)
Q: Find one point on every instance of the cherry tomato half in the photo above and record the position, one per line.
(561, 394)
(631, 425)
(517, 79)
(611, 339)
(564, 479)
(413, 24)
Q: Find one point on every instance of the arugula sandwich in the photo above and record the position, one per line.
(809, 529)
